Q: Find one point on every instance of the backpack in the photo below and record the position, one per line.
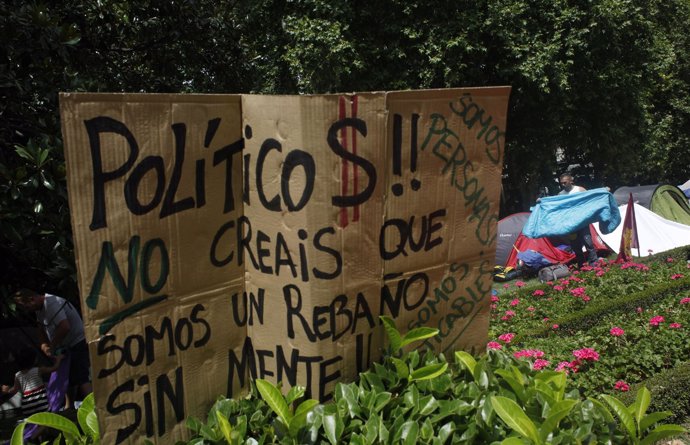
(553, 273)
(503, 274)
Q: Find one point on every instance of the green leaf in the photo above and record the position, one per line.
(273, 397)
(515, 417)
(517, 388)
(92, 422)
(347, 392)
(299, 420)
(602, 410)
(381, 401)
(418, 334)
(640, 405)
(333, 426)
(466, 359)
(23, 152)
(652, 418)
(410, 432)
(623, 414)
(87, 425)
(357, 439)
(295, 393)
(512, 441)
(401, 368)
(559, 411)
(225, 427)
(393, 333)
(371, 428)
(555, 378)
(662, 432)
(55, 421)
(209, 433)
(428, 372)
(427, 405)
(193, 424)
(18, 434)
(42, 156)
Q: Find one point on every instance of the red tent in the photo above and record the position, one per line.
(548, 247)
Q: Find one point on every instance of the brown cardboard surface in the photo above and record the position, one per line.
(263, 236)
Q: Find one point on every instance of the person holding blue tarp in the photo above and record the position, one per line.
(570, 213)
(583, 237)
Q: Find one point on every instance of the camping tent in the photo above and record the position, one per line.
(653, 232)
(685, 187)
(667, 201)
(549, 248)
(509, 228)
(510, 241)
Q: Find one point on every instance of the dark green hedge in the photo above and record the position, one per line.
(670, 392)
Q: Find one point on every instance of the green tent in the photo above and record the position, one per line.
(667, 201)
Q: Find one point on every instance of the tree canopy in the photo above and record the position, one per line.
(600, 82)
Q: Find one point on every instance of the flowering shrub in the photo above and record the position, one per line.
(616, 331)
(625, 344)
(621, 386)
(656, 320)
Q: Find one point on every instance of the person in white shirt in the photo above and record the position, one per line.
(566, 182)
(63, 333)
(582, 237)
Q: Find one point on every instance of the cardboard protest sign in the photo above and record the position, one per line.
(224, 237)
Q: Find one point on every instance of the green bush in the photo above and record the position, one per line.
(670, 391)
(413, 398)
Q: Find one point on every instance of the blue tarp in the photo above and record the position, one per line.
(565, 214)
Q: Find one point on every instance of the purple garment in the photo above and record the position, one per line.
(55, 390)
(58, 384)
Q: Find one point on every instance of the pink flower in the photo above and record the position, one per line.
(554, 327)
(675, 326)
(533, 353)
(600, 273)
(677, 276)
(656, 320)
(494, 345)
(515, 302)
(563, 366)
(540, 364)
(506, 286)
(519, 283)
(622, 386)
(507, 337)
(587, 354)
(531, 309)
(639, 310)
(495, 299)
(586, 298)
(616, 331)
(577, 292)
(685, 300)
(669, 259)
(558, 288)
(545, 319)
(494, 306)
(538, 293)
(508, 315)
